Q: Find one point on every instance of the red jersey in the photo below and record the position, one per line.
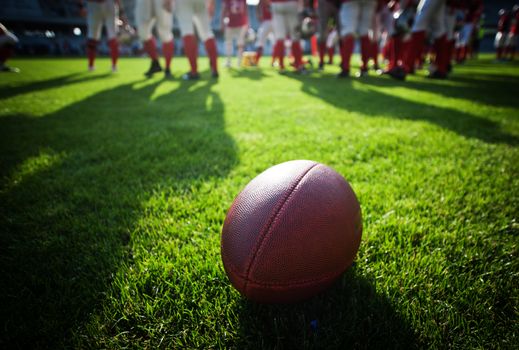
(265, 12)
(236, 11)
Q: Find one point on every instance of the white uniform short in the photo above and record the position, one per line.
(511, 40)
(500, 40)
(191, 12)
(285, 20)
(356, 17)
(147, 12)
(236, 33)
(264, 31)
(465, 34)
(102, 13)
(450, 22)
(431, 16)
(325, 11)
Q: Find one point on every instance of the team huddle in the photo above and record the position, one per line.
(404, 32)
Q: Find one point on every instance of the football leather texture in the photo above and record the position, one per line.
(291, 232)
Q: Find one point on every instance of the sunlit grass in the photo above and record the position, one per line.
(114, 189)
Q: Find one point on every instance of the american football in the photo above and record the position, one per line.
(291, 232)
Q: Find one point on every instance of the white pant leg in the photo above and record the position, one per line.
(201, 20)
(292, 19)
(164, 20)
(367, 12)
(438, 22)
(231, 34)
(450, 23)
(465, 33)
(428, 11)
(185, 13)
(349, 17)
(332, 39)
(263, 32)
(111, 14)
(94, 19)
(144, 19)
(278, 21)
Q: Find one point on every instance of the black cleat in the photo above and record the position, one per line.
(167, 73)
(154, 68)
(397, 73)
(437, 75)
(321, 66)
(343, 74)
(8, 69)
(214, 74)
(191, 76)
(362, 73)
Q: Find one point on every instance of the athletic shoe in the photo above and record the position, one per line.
(437, 75)
(114, 69)
(345, 73)
(302, 71)
(321, 66)
(397, 73)
(8, 69)
(191, 76)
(91, 68)
(167, 73)
(362, 73)
(154, 68)
(214, 74)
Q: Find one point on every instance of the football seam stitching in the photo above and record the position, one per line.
(272, 220)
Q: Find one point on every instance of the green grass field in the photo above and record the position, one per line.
(114, 190)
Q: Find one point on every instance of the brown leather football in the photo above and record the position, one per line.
(291, 232)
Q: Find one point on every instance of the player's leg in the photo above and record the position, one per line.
(427, 9)
(185, 14)
(280, 32)
(229, 34)
(240, 42)
(450, 24)
(365, 27)
(465, 35)
(203, 26)
(8, 42)
(331, 42)
(292, 20)
(94, 25)
(440, 47)
(145, 21)
(164, 26)
(263, 32)
(323, 11)
(349, 17)
(111, 14)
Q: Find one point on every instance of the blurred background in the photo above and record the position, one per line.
(56, 28)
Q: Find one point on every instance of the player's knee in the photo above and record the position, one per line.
(165, 35)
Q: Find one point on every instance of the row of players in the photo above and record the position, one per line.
(507, 30)
(402, 26)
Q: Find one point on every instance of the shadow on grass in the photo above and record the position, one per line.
(252, 73)
(351, 315)
(60, 81)
(73, 186)
(342, 94)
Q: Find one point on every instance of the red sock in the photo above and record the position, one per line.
(114, 50)
(346, 51)
(279, 53)
(331, 53)
(297, 52)
(463, 53)
(210, 48)
(321, 47)
(415, 50)
(499, 53)
(91, 51)
(150, 46)
(374, 52)
(512, 53)
(450, 48)
(191, 51)
(168, 49)
(365, 51)
(259, 52)
(5, 53)
(441, 54)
